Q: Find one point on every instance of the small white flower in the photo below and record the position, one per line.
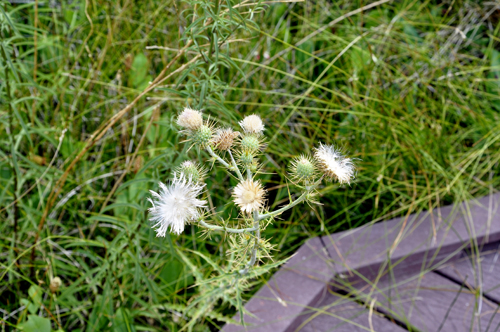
(334, 164)
(175, 205)
(190, 119)
(249, 195)
(252, 124)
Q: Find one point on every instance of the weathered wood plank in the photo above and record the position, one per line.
(340, 314)
(411, 241)
(478, 271)
(427, 301)
(402, 246)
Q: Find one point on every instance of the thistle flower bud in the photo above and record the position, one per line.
(190, 119)
(250, 143)
(55, 284)
(202, 136)
(334, 164)
(246, 158)
(303, 169)
(224, 138)
(192, 170)
(252, 124)
(249, 196)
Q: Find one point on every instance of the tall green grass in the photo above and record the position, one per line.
(409, 88)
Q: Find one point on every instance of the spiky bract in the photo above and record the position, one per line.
(303, 169)
(192, 170)
(250, 143)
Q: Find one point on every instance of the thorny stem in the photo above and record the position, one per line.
(253, 258)
(240, 176)
(222, 161)
(227, 229)
(283, 209)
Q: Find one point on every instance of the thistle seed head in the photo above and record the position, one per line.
(175, 205)
(249, 195)
(252, 124)
(190, 119)
(334, 164)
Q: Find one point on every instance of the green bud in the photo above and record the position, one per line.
(192, 171)
(303, 169)
(202, 136)
(246, 158)
(250, 143)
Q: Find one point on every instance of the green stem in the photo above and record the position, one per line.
(240, 176)
(222, 161)
(283, 209)
(253, 258)
(227, 229)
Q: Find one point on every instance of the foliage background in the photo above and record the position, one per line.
(410, 88)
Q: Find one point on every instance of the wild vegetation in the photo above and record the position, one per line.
(90, 93)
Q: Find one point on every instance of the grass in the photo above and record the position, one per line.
(409, 88)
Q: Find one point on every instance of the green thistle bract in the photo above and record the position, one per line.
(250, 143)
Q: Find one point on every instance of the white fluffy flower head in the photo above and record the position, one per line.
(252, 124)
(190, 119)
(175, 205)
(249, 196)
(334, 164)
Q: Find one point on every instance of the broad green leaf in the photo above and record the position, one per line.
(36, 324)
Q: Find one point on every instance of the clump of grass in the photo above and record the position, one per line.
(411, 88)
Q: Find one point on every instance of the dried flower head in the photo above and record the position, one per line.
(175, 205)
(252, 124)
(334, 164)
(303, 168)
(224, 138)
(55, 284)
(190, 119)
(249, 196)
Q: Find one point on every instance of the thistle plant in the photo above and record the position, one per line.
(180, 202)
